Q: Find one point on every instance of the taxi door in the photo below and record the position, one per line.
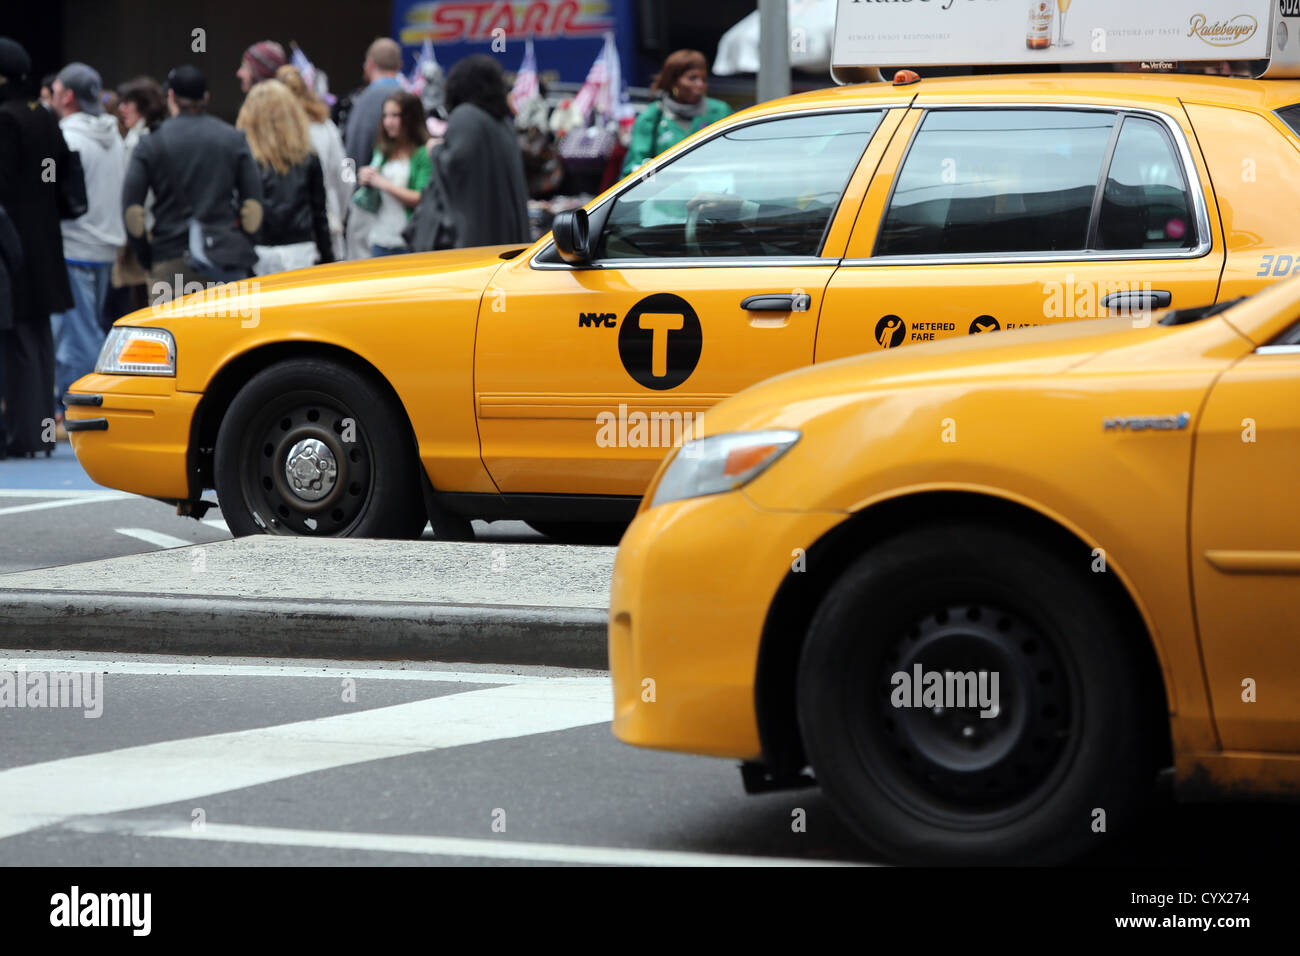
(986, 218)
(1245, 548)
(709, 276)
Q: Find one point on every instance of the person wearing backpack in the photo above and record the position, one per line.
(683, 108)
(295, 229)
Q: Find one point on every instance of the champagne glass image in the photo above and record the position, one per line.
(1063, 6)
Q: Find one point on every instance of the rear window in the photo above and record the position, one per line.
(989, 181)
(1039, 181)
(1146, 203)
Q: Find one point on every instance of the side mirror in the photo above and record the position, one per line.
(572, 234)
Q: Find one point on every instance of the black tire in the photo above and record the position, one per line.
(374, 490)
(1074, 733)
(582, 532)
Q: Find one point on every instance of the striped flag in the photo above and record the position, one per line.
(314, 78)
(417, 81)
(598, 90)
(304, 65)
(526, 81)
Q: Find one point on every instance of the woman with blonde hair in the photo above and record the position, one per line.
(328, 143)
(295, 229)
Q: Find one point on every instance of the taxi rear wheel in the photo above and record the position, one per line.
(1070, 732)
(311, 448)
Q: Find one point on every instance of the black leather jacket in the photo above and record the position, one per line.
(293, 207)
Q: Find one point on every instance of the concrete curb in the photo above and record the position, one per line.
(371, 630)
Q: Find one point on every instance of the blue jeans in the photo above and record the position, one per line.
(78, 335)
(377, 251)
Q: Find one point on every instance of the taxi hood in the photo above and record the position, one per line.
(455, 270)
(1032, 353)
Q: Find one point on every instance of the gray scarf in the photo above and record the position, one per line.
(681, 111)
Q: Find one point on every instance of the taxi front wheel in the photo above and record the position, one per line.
(967, 695)
(312, 448)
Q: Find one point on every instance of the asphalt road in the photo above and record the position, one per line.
(239, 762)
(446, 764)
(52, 514)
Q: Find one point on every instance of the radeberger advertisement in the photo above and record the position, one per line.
(886, 33)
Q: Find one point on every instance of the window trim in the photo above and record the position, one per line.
(1204, 246)
(698, 262)
(1288, 343)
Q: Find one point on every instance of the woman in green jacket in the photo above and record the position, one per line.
(399, 171)
(682, 108)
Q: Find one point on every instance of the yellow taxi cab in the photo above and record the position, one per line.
(986, 588)
(547, 383)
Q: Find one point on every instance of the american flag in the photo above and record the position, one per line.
(417, 81)
(526, 83)
(603, 88)
(314, 79)
(304, 65)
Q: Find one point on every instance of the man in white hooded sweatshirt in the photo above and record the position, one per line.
(90, 242)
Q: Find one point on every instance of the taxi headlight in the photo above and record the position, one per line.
(721, 463)
(131, 351)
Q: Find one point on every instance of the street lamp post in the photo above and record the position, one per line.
(773, 49)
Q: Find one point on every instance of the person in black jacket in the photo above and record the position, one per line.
(295, 229)
(33, 156)
(198, 168)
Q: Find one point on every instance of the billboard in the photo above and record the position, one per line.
(568, 34)
(897, 33)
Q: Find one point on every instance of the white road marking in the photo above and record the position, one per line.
(151, 669)
(217, 524)
(156, 538)
(440, 846)
(132, 778)
(59, 503)
(90, 494)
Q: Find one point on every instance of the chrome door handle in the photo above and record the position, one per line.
(1138, 301)
(796, 302)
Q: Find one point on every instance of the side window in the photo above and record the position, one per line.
(767, 189)
(1146, 203)
(992, 181)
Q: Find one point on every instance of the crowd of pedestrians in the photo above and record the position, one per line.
(112, 199)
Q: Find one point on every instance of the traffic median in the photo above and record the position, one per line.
(355, 599)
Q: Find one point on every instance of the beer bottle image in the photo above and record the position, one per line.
(1040, 24)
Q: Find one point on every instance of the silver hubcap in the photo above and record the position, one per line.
(311, 470)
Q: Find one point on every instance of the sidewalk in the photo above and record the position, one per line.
(267, 596)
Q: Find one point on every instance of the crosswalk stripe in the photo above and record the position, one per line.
(59, 503)
(336, 671)
(486, 848)
(132, 778)
(87, 494)
(218, 524)
(156, 538)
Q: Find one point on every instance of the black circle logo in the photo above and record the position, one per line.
(660, 341)
(985, 323)
(890, 332)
